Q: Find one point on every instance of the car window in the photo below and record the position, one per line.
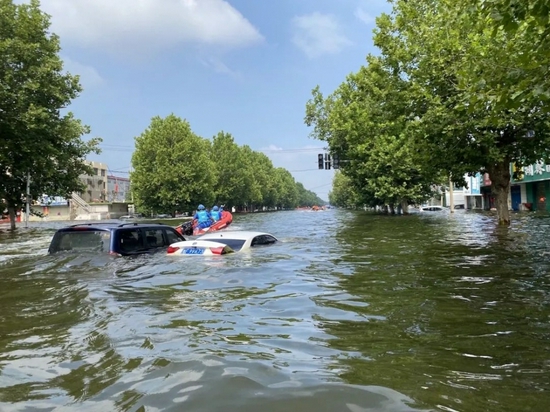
(263, 240)
(81, 240)
(172, 236)
(235, 244)
(154, 238)
(130, 240)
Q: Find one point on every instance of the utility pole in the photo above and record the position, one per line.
(28, 208)
(451, 190)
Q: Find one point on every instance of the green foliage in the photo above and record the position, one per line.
(173, 169)
(460, 87)
(37, 140)
(365, 122)
(343, 193)
(176, 170)
(524, 26)
(229, 186)
(307, 197)
(474, 99)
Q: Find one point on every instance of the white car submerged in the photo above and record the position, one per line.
(221, 243)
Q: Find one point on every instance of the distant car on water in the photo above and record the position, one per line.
(433, 208)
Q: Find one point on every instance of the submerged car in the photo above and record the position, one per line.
(433, 208)
(221, 243)
(114, 238)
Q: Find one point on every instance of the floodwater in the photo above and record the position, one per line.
(349, 312)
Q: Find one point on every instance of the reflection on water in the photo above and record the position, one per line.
(349, 312)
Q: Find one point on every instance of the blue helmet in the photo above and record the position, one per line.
(215, 208)
(201, 207)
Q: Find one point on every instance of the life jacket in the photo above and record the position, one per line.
(215, 215)
(202, 216)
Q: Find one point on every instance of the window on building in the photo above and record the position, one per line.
(103, 172)
(96, 172)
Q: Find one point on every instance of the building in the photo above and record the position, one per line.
(118, 189)
(96, 183)
(469, 196)
(531, 188)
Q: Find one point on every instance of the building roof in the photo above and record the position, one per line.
(118, 178)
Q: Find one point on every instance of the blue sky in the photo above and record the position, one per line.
(246, 67)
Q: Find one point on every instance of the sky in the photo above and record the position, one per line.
(246, 67)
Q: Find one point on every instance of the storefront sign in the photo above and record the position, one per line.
(531, 173)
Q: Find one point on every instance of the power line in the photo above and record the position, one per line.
(302, 170)
(317, 187)
(125, 148)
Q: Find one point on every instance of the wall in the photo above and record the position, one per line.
(50, 213)
(118, 209)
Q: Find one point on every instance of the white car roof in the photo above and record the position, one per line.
(235, 234)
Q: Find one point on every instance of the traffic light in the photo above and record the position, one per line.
(335, 161)
(321, 162)
(327, 161)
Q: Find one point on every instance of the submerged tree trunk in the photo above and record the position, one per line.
(11, 212)
(405, 207)
(500, 187)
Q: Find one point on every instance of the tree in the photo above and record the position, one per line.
(527, 23)
(365, 121)
(343, 193)
(287, 190)
(253, 196)
(458, 67)
(172, 166)
(38, 142)
(307, 197)
(229, 186)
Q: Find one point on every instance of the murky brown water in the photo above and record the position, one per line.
(350, 312)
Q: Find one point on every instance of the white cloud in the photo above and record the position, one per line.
(365, 17)
(145, 26)
(317, 34)
(89, 77)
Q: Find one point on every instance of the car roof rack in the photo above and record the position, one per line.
(93, 224)
(139, 224)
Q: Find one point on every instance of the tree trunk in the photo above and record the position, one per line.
(500, 187)
(11, 212)
(405, 207)
(392, 209)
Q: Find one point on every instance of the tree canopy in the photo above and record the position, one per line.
(37, 140)
(458, 89)
(175, 170)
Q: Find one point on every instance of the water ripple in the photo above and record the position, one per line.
(349, 312)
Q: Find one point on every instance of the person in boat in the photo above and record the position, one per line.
(202, 217)
(215, 214)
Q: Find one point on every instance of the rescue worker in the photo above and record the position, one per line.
(203, 218)
(215, 214)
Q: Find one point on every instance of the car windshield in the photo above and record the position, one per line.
(235, 244)
(81, 240)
